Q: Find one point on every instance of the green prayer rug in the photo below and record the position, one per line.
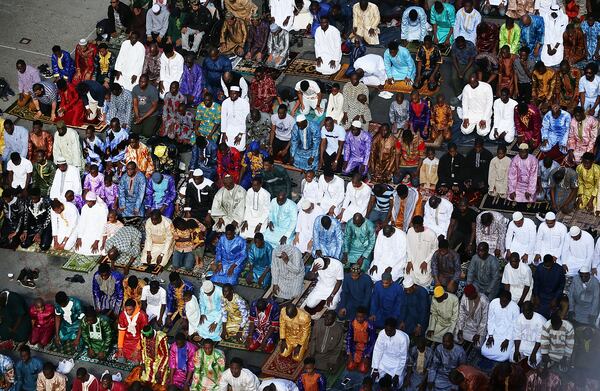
(80, 263)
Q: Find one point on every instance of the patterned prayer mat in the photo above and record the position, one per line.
(414, 46)
(513, 150)
(248, 67)
(65, 350)
(198, 272)
(26, 114)
(81, 263)
(582, 219)
(304, 67)
(232, 345)
(34, 248)
(281, 367)
(507, 206)
(111, 361)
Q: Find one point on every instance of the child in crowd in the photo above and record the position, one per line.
(441, 122)
(335, 104)
(398, 114)
(428, 174)
(109, 193)
(111, 227)
(93, 180)
(498, 174)
(310, 378)
(418, 115)
(360, 112)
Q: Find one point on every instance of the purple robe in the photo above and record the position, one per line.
(357, 150)
(109, 195)
(161, 194)
(93, 184)
(522, 178)
(108, 295)
(192, 83)
(181, 362)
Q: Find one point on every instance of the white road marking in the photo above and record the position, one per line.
(24, 50)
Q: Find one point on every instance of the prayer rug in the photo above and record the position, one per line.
(581, 218)
(34, 248)
(281, 367)
(59, 253)
(513, 150)
(81, 263)
(304, 67)
(197, 271)
(65, 350)
(232, 345)
(415, 45)
(248, 67)
(26, 114)
(111, 361)
(508, 206)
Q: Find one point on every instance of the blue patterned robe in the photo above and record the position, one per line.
(229, 252)
(131, 198)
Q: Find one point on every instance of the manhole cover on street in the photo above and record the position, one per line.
(25, 41)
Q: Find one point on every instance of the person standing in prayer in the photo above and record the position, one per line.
(389, 255)
(181, 361)
(502, 316)
(130, 324)
(558, 339)
(154, 303)
(107, 289)
(359, 241)
(330, 194)
(42, 322)
(390, 353)
(528, 124)
(264, 325)
(230, 257)
(132, 289)
(89, 231)
(229, 163)
(294, 332)
(445, 266)
(555, 24)
(228, 205)
(39, 140)
(160, 194)
(356, 199)
(356, 293)
(256, 211)
(414, 311)
(437, 214)
(326, 293)
(582, 134)
(408, 203)
(233, 119)
(63, 67)
(447, 356)
(542, 85)
(386, 301)
(63, 220)
(548, 284)
(527, 336)
(472, 317)
(399, 65)
(139, 153)
(154, 350)
(235, 316)
(503, 128)
(263, 91)
(209, 364)
(420, 358)
(555, 129)
(258, 34)
(287, 270)
(360, 341)
(443, 315)
(521, 238)
(484, 271)
(66, 145)
(584, 301)
(326, 342)
(422, 243)
(356, 150)
(259, 262)
(333, 137)
(103, 66)
(159, 244)
(210, 300)
(68, 313)
(132, 188)
(65, 178)
(328, 47)
(510, 34)
(304, 144)
(398, 114)
(171, 68)
(574, 43)
(522, 176)
(97, 334)
(192, 81)
(477, 104)
(517, 279)
(381, 205)
(588, 180)
(27, 370)
(577, 251)
(382, 162)
(130, 62)
(283, 214)
(328, 238)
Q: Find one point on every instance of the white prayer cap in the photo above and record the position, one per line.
(182, 166)
(550, 216)
(305, 204)
(524, 146)
(91, 196)
(197, 172)
(408, 282)
(156, 8)
(207, 286)
(234, 88)
(300, 118)
(60, 160)
(517, 216)
(584, 269)
(319, 261)
(187, 209)
(574, 231)
(357, 124)
(83, 41)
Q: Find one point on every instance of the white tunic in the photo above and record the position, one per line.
(326, 281)
(304, 228)
(389, 252)
(477, 105)
(256, 212)
(89, 228)
(130, 62)
(521, 239)
(64, 181)
(374, 69)
(247, 381)
(504, 119)
(356, 200)
(192, 313)
(550, 240)
(280, 385)
(310, 191)
(154, 302)
(328, 47)
(233, 121)
(421, 246)
(553, 34)
(331, 193)
(438, 220)
(466, 24)
(390, 354)
(529, 332)
(280, 11)
(518, 279)
(577, 253)
(500, 325)
(64, 225)
(171, 70)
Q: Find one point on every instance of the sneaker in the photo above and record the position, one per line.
(22, 275)
(33, 274)
(27, 284)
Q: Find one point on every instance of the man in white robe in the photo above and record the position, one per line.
(466, 21)
(171, 69)
(550, 237)
(328, 48)
(517, 278)
(307, 213)
(237, 378)
(389, 252)
(229, 205)
(502, 315)
(154, 302)
(256, 210)
(437, 215)
(130, 62)
(555, 24)
(365, 21)
(159, 244)
(90, 228)
(192, 312)
(356, 199)
(68, 146)
(577, 251)
(371, 68)
(520, 238)
(528, 336)
(327, 291)
(234, 112)
(331, 191)
(503, 127)
(390, 352)
(422, 243)
(477, 105)
(283, 13)
(66, 178)
(63, 219)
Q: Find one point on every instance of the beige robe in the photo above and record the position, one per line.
(443, 317)
(159, 240)
(365, 20)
